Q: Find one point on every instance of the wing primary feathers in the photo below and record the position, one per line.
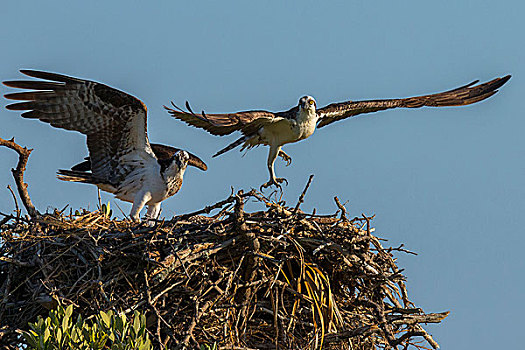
(461, 96)
(176, 107)
(188, 107)
(203, 115)
(32, 114)
(21, 106)
(36, 85)
(50, 76)
(464, 86)
(31, 95)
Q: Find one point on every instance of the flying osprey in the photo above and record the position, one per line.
(298, 123)
(121, 159)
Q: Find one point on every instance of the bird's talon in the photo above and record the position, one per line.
(149, 223)
(286, 158)
(281, 180)
(276, 182)
(265, 185)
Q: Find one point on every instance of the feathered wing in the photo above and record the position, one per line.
(247, 122)
(461, 96)
(114, 122)
(162, 152)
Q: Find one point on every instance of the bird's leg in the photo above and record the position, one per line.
(285, 157)
(272, 155)
(153, 213)
(140, 200)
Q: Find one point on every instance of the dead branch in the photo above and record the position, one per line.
(18, 174)
(301, 197)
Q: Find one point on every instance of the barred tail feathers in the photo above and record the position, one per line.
(75, 176)
(231, 146)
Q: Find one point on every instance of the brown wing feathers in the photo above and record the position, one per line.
(71, 103)
(219, 124)
(460, 96)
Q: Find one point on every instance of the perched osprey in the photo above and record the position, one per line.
(121, 159)
(300, 122)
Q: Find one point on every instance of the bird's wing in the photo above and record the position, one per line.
(114, 122)
(162, 152)
(165, 152)
(461, 96)
(224, 124)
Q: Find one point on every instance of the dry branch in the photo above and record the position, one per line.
(18, 173)
(243, 280)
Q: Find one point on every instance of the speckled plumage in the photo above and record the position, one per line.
(121, 159)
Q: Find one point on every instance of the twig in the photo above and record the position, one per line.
(208, 209)
(17, 209)
(342, 208)
(301, 197)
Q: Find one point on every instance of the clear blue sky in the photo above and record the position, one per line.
(446, 182)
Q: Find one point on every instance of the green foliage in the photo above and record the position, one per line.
(106, 211)
(104, 331)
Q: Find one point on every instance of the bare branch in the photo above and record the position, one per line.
(18, 174)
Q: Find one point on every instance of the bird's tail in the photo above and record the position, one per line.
(84, 166)
(75, 176)
(231, 146)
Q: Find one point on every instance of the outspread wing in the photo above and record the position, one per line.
(114, 122)
(461, 96)
(248, 122)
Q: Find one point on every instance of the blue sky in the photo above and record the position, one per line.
(448, 183)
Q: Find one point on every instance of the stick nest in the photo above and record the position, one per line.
(277, 278)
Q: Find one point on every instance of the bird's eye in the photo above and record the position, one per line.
(311, 102)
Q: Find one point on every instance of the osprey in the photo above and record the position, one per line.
(298, 123)
(121, 159)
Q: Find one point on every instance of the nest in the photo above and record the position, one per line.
(278, 278)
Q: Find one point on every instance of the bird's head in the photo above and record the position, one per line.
(177, 164)
(181, 159)
(307, 103)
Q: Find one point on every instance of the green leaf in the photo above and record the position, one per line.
(106, 331)
(136, 323)
(79, 321)
(105, 318)
(106, 211)
(47, 333)
(145, 346)
(69, 311)
(75, 335)
(59, 337)
(65, 324)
